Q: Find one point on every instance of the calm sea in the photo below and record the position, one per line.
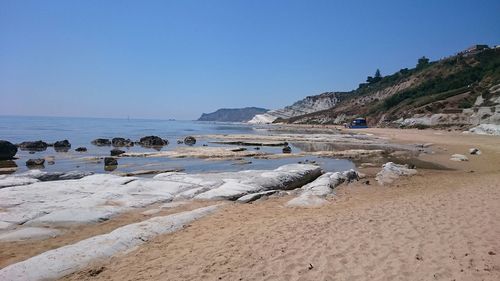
(81, 131)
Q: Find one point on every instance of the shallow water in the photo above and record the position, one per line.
(81, 131)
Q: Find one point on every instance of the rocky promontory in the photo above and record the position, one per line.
(233, 114)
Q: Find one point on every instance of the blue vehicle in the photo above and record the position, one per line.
(358, 123)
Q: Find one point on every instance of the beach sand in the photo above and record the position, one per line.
(437, 225)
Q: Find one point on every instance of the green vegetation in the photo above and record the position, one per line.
(450, 85)
(443, 86)
(374, 79)
(422, 62)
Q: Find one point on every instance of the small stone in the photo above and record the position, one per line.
(287, 149)
(475, 151)
(190, 140)
(35, 162)
(110, 161)
(116, 152)
(491, 253)
(81, 149)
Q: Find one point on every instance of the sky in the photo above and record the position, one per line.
(177, 59)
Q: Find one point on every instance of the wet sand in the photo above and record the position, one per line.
(437, 225)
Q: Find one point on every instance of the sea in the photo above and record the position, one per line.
(81, 131)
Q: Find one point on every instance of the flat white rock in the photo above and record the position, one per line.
(74, 216)
(28, 233)
(62, 261)
(5, 225)
(98, 197)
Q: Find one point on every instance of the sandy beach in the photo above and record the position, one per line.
(436, 225)
(248, 141)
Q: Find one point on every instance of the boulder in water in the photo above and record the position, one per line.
(35, 162)
(190, 140)
(101, 142)
(116, 152)
(7, 150)
(153, 141)
(119, 142)
(287, 149)
(110, 161)
(81, 149)
(33, 145)
(63, 143)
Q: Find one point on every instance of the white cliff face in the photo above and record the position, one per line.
(307, 105)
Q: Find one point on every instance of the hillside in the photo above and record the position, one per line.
(232, 114)
(461, 90)
(307, 105)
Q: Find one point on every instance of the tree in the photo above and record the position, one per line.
(374, 79)
(422, 62)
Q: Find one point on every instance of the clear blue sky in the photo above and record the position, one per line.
(177, 59)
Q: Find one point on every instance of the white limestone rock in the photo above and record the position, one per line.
(28, 233)
(391, 171)
(68, 217)
(62, 261)
(229, 190)
(313, 194)
(6, 181)
(98, 197)
(254, 196)
(33, 176)
(5, 225)
(486, 129)
(459, 158)
(307, 105)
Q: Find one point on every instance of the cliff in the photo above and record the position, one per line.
(299, 108)
(232, 114)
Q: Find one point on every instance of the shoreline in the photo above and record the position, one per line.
(482, 171)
